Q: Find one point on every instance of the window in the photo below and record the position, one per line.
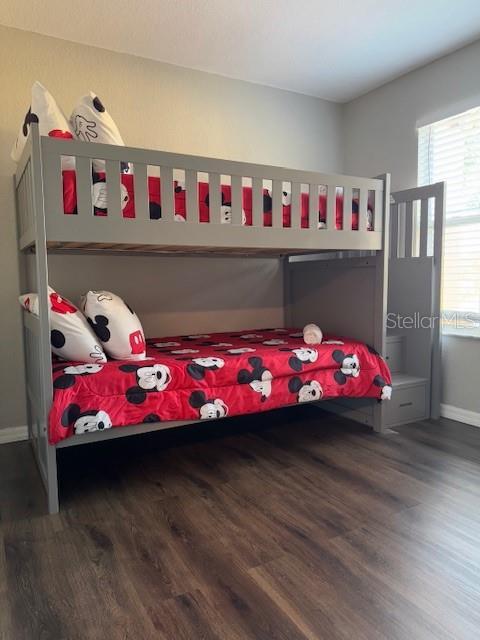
(450, 150)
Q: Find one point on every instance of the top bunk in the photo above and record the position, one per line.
(86, 197)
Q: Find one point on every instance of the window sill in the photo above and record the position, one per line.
(462, 333)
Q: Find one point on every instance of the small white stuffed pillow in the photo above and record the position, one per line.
(91, 122)
(51, 122)
(115, 324)
(71, 337)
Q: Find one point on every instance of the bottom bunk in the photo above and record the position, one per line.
(210, 376)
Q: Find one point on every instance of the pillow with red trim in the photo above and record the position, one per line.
(51, 122)
(71, 336)
(116, 325)
(91, 122)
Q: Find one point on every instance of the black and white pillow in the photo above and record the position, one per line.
(91, 122)
(71, 336)
(115, 324)
(51, 121)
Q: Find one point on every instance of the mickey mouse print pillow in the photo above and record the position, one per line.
(115, 324)
(91, 122)
(71, 337)
(51, 121)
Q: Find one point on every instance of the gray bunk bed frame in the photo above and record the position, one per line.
(43, 228)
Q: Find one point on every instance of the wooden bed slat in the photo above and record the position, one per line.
(191, 186)
(112, 171)
(53, 187)
(166, 186)
(347, 208)
(394, 231)
(257, 202)
(215, 198)
(377, 218)
(331, 206)
(142, 210)
(313, 206)
(237, 197)
(295, 208)
(277, 207)
(423, 229)
(362, 209)
(409, 229)
(83, 172)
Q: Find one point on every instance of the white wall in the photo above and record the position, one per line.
(380, 135)
(162, 107)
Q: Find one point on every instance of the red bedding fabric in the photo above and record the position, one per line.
(212, 376)
(128, 202)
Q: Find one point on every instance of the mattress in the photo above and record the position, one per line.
(100, 202)
(208, 376)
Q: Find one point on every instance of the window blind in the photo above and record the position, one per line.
(450, 150)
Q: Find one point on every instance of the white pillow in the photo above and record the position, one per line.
(115, 324)
(51, 122)
(71, 337)
(91, 122)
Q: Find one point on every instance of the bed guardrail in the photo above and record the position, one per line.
(113, 229)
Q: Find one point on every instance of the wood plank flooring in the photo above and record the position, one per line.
(295, 525)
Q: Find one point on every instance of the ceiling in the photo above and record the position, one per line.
(333, 49)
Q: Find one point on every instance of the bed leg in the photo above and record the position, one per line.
(52, 480)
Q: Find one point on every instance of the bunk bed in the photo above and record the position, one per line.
(339, 214)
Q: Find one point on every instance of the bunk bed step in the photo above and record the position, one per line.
(395, 353)
(409, 401)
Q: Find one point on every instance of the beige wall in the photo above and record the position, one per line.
(162, 107)
(380, 132)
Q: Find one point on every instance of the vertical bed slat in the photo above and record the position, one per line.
(142, 211)
(313, 206)
(166, 187)
(191, 186)
(53, 186)
(83, 171)
(277, 207)
(424, 229)
(237, 192)
(295, 208)
(409, 229)
(347, 208)
(331, 207)
(394, 231)
(257, 202)
(377, 222)
(214, 195)
(362, 210)
(112, 171)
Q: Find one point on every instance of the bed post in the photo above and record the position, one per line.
(45, 453)
(381, 292)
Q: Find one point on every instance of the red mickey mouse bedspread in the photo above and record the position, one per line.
(212, 376)
(100, 202)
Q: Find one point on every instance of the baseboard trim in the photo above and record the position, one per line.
(13, 434)
(460, 415)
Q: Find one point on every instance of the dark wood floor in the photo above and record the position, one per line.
(296, 525)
